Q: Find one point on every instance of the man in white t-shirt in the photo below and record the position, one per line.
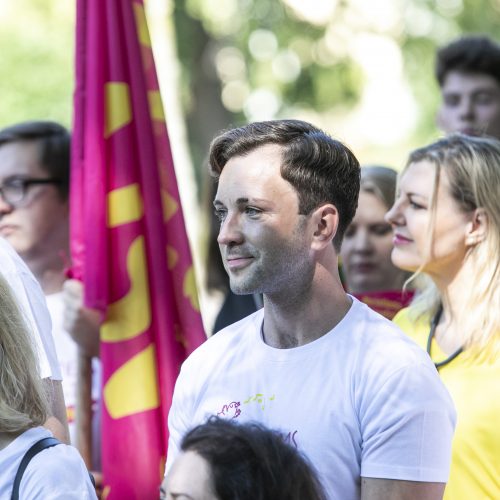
(34, 218)
(343, 384)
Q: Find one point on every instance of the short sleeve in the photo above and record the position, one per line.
(57, 473)
(178, 421)
(407, 427)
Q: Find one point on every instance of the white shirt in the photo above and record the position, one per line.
(56, 473)
(31, 301)
(361, 401)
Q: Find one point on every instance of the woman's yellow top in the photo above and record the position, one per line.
(475, 389)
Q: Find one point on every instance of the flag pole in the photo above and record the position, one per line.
(84, 408)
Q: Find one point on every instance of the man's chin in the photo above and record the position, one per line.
(242, 288)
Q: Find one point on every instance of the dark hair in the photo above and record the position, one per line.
(321, 169)
(54, 141)
(469, 54)
(250, 462)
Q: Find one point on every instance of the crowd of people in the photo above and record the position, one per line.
(375, 378)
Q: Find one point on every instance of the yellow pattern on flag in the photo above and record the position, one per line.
(131, 315)
(133, 387)
(172, 257)
(170, 206)
(118, 111)
(142, 25)
(124, 205)
(156, 106)
(189, 288)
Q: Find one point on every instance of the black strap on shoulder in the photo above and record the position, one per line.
(35, 449)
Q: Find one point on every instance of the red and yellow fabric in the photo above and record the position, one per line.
(474, 387)
(386, 303)
(128, 241)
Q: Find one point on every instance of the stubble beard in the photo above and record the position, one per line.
(280, 269)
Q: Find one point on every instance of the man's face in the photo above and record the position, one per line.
(264, 242)
(39, 223)
(470, 104)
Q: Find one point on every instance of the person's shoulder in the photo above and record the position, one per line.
(368, 322)
(381, 342)
(43, 474)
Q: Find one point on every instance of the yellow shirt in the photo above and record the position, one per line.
(475, 389)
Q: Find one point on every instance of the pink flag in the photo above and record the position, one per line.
(128, 241)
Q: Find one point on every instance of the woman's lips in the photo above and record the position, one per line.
(401, 240)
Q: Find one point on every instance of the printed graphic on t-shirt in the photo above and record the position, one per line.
(234, 410)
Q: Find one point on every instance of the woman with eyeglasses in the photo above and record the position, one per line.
(446, 221)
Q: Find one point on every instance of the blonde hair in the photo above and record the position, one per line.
(23, 404)
(472, 165)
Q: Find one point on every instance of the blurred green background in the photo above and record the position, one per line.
(361, 69)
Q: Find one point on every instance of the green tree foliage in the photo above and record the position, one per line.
(219, 43)
(36, 67)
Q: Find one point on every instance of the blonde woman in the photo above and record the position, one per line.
(446, 221)
(57, 472)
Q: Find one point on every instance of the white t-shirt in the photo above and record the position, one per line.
(363, 400)
(67, 352)
(31, 301)
(53, 474)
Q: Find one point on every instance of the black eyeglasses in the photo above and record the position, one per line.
(15, 189)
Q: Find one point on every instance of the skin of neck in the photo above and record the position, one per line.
(301, 314)
(48, 269)
(449, 332)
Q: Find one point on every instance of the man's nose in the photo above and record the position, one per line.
(230, 231)
(466, 110)
(5, 208)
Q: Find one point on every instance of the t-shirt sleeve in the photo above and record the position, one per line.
(407, 427)
(178, 417)
(57, 473)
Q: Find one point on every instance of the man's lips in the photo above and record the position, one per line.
(470, 131)
(399, 239)
(238, 261)
(6, 229)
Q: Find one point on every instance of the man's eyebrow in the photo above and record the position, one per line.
(239, 201)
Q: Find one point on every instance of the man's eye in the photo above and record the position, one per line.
(14, 183)
(483, 98)
(252, 211)
(220, 214)
(451, 100)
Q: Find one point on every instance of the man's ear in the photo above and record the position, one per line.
(477, 228)
(325, 220)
